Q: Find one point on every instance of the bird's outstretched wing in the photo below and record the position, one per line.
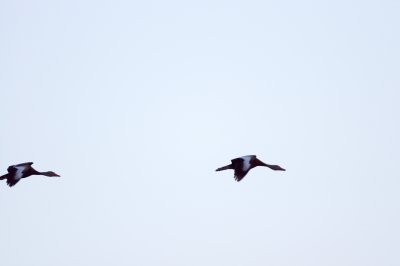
(238, 166)
(240, 174)
(11, 181)
(13, 168)
(24, 164)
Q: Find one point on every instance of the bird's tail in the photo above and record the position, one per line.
(3, 177)
(224, 168)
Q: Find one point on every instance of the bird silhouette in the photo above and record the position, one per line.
(22, 170)
(242, 166)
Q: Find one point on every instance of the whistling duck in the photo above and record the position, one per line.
(242, 166)
(23, 170)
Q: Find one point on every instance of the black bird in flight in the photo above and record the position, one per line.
(242, 166)
(22, 170)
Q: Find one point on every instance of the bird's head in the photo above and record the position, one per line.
(50, 173)
(277, 168)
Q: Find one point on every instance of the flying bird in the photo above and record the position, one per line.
(22, 170)
(242, 166)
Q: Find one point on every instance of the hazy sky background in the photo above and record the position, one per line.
(136, 103)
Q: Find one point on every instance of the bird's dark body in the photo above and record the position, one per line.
(25, 170)
(243, 165)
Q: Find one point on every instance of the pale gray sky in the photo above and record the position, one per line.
(136, 103)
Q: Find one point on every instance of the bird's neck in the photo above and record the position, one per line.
(260, 163)
(48, 173)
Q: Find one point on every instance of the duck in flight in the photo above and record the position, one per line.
(242, 166)
(22, 170)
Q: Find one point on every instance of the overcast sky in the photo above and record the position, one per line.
(136, 103)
